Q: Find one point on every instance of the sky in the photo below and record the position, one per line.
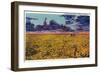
(41, 17)
(70, 20)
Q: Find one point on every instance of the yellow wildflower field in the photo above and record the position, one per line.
(56, 46)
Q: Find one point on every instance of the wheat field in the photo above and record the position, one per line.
(56, 46)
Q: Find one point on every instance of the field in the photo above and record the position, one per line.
(56, 46)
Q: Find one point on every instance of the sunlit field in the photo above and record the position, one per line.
(56, 46)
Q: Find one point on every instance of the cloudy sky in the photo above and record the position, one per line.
(70, 20)
(41, 17)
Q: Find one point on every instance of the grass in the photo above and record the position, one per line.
(56, 46)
